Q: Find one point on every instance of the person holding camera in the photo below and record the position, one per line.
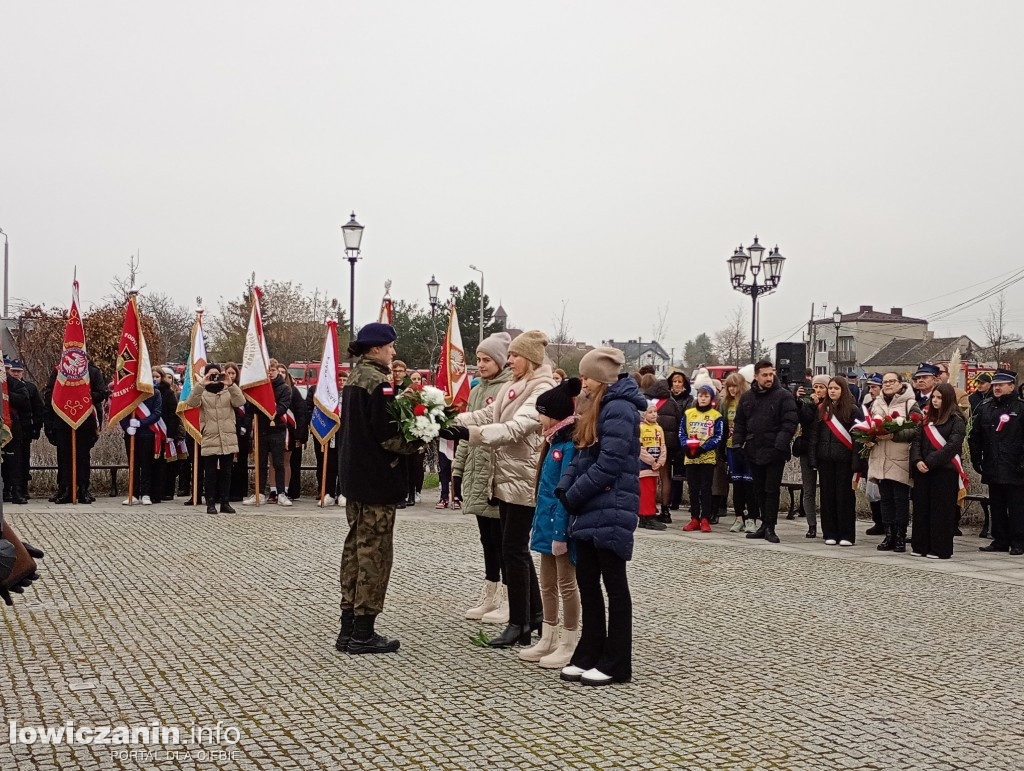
(217, 403)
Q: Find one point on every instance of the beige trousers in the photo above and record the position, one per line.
(558, 579)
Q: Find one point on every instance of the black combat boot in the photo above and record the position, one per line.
(876, 515)
(899, 538)
(226, 507)
(365, 640)
(769, 534)
(665, 516)
(889, 540)
(84, 496)
(63, 495)
(211, 508)
(348, 620)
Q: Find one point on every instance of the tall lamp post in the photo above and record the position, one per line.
(2, 233)
(353, 233)
(432, 287)
(750, 261)
(837, 320)
(474, 267)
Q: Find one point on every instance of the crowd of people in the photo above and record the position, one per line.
(568, 468)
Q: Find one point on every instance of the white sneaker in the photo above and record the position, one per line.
(571, 673)
(328, 500)
(830, 541)
(418, 497)
(595, 677)
(283, 500)
(917, 554)
(844, 542)
(146, 501)
(932, 556)
(250, 501)
(130, 502)
(341, 501)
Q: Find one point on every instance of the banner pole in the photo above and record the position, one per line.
(256, 454)
(74, 466)
(323, 475)
(131, 470)
(195, 474)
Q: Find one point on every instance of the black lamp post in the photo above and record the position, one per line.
(837, 320)
(432, 287)
(353, 233)
(750, 261)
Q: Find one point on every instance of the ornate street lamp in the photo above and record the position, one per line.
(744, 268)
(353, 234)
(837, 320)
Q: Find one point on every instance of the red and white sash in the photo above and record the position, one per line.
(839, 432)
(938, 442)
(159, 428)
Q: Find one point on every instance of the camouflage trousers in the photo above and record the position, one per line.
(367, 557)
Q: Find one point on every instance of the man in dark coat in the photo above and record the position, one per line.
(373, 480)
(272, 437)
(58, 433)
(983, 387)
(36, 405)
(996, 442)
(766, 419)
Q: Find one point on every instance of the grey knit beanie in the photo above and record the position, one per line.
(496, 346)
(602, 364)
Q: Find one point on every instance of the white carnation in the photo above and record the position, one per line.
(432, 397)
(900, 421)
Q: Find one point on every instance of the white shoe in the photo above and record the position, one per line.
(418, 496)
(283, 500)
(340, 501)
(830, 541)
(548, 643)
(595, 677)
(500, 614)
(130, 502)
(844, 542)
(250, 501)
(562, 655)
(932, 556)
(489, 600)
(737, 526)
(571, 673)
(917, 554)
(751, 526)
(328, 500)
(146, 500)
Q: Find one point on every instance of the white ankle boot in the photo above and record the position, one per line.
(500, 614)
(489, 600)
(562, 655)
(548, 643)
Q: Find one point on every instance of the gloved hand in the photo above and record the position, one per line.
(454, 433)
(242, 432)
(130, 430)
(134, 423)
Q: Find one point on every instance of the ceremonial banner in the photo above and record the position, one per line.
(72, 394)
(5, 415)
(386, 311)
(133, 378)
(452, 377)
(255, 383)
(326, 402)
(191, 377)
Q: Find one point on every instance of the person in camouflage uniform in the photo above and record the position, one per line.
(373, 480)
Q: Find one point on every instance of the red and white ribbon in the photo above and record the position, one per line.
(938, 442)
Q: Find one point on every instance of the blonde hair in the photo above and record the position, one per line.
(742, 386)
(586, 427)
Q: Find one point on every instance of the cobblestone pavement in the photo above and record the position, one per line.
(747, 656)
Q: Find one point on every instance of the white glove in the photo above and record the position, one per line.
(134, 423)
(131, 429)
(242, 431)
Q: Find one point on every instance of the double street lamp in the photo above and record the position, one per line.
(752, 261)
(353, 233)
(837, 320)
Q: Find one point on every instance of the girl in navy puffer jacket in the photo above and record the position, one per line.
(601, 491)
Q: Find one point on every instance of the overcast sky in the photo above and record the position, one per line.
(608, 154)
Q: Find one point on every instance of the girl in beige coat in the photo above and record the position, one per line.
(511, 428)
(217, 403)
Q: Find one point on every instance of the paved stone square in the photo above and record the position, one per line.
(747, 655)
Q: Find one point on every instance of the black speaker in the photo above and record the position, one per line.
(790, 362)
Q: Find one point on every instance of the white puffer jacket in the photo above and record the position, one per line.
(890, 458)
(510, 426)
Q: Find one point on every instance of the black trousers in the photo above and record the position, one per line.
(272, 445)
(23, 457)
(240, 470)
(895, 503)
(767, 483)
(11, 468)
(159, 474)
(414, 464)
(837, 508)
(490, 540)
(217, 478)
(185, 470)
(520, 574)
(606, 647)
(699, 478)
(84, 441)
(1007, 505)
(295, 478)
(444, 472)
(142, 483)
(331, 488)
(935, 512)
(743, 499)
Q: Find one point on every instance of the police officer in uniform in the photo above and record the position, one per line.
(24, 458)
(58, 432)
(997, 453)
(21, 437)
(373, 480)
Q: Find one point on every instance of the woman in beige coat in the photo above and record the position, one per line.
(217, 403)
(889, 462)
(511, 428)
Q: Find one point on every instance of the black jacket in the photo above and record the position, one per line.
(824, 446)
(371, 446)
(21, 409)
(670, 413)
(766, 419)
(282, 402)
(170, 412)
(998, 455)
(953, 431)
(38, 410)
(301, 415)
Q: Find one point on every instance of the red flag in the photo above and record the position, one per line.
(5, 415)
(72, 395)
(133, 377)
(255, 381)
(452, 377)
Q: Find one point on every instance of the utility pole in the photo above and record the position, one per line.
(812, 351)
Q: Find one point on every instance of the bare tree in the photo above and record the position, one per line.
(731, 344)
(660, 329)
(997, 338)
(173, 321)
(562, 343)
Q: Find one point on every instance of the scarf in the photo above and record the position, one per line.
(550, 432)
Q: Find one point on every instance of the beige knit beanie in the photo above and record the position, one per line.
(602, 364)
(496, 346)
(530, 345)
